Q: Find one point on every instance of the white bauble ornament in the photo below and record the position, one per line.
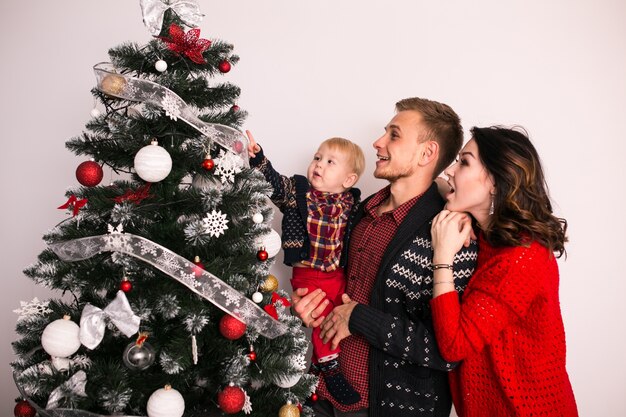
(94, 112)
(153, 163)
(270, 242)
(160, 65)
(166, 402)
(257, 218)
(257, 297)
(60, 338)
(288, 380)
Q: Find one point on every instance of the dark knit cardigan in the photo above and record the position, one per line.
(408, 376)
(289, 195)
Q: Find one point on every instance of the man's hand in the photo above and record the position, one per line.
(309, 307)
(335, 327)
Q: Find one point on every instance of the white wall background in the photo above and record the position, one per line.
(310, 70)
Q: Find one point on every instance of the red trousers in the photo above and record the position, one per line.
(334, 285)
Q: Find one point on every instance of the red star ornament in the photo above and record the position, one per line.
(188, 44)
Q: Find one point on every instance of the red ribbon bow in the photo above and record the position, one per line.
(271, 308)
(188, 43)
(75, 203)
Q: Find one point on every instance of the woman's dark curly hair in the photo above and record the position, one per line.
(522, 208)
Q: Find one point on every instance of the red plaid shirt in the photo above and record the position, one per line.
(370, 238)
(326, 225)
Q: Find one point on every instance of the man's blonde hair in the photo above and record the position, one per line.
(356, 159)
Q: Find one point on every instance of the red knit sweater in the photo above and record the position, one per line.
(508, 332)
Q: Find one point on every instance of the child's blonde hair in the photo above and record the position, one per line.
(355, 155)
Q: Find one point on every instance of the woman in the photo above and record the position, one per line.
(507, 330)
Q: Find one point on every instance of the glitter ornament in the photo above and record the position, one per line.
(289, 410)
(270, 284)
(113, 84)
(24, 409)
(61, 338)
(231, 328)
(234, 108)
(257, 297)
(153, 163)
(89, 173)
(231, 399)
(138, 355)
(224, 66)
(160, 65)
(257, 218)
(166, 402)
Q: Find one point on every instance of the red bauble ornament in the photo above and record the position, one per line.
(235, 108)
(231, 399)
(24, 409)
(224, 66)
(262, 255)
(126, 285)
(208, 164)
(89, 173)
(314, 397)
(198, 268)
(238, 146)
(231, 328)
(252, 356)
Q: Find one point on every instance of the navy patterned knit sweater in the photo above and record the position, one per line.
(408, 376)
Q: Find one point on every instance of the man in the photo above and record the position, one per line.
(389, 353)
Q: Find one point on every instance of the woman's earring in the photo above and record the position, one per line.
(491, 207)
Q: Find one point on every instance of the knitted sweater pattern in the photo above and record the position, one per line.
(509, 333)
(408, 376)
(289, 195)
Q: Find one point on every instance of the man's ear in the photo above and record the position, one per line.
(430, 153)
(350, 180)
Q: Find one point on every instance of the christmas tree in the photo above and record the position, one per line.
(168, 307)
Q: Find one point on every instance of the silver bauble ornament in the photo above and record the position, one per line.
(138, 357)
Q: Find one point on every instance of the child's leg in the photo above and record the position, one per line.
(324, 359)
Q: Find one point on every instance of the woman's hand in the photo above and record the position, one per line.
(309, 307)
(253, 148)
(450, 231)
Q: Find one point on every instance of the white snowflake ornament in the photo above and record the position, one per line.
(171, 106)
(227, 165)
(215, 223)
(32, 309)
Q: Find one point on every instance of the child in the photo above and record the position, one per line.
(315, 226)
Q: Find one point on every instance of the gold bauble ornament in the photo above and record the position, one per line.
(270, 284)
(289, 410)
(113, 84)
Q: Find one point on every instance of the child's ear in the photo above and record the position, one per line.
(350, 180)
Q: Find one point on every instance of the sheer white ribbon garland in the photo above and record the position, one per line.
(207, 285)
(144, 91)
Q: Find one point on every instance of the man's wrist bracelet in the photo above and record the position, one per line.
(443, 282)
(442, 266)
